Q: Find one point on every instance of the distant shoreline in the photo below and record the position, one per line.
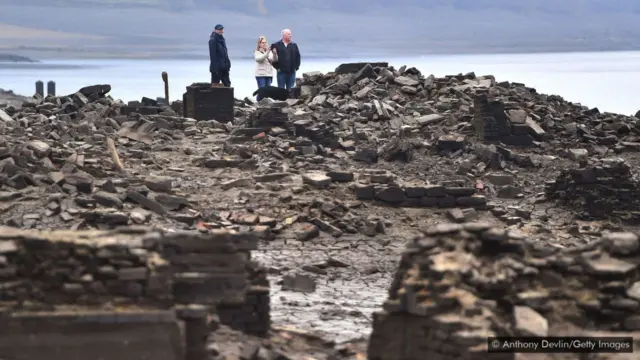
(45, 63)
(46, 55)
(13, 58)
(8, 97)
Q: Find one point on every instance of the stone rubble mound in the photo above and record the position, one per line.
(278, 118)
(456, 110)
(460, 283)
(604, 189)
(354, 164)
(59, 147)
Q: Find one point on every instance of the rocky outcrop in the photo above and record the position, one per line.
(461, 283)
(605, 189)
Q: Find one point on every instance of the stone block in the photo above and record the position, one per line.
(419, 195)
(106, 335)
(133, 267)
(203, 102)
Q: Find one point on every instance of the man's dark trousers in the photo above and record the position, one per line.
(221, 76)
(286, 81)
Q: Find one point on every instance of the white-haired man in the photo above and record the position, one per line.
(288, 60)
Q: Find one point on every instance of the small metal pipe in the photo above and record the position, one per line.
(51, 88)
(40, 88)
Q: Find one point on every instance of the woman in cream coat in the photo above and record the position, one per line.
(264, 59)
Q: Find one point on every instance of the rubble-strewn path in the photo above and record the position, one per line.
(336, 181)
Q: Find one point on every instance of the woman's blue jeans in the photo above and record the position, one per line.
(263, 81)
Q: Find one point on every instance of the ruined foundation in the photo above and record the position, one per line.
(496, 122)
(380, 186)
(91, 334)
(273, 118)
(203, 102)
(461, 283)
(136, 278)
(605, 189)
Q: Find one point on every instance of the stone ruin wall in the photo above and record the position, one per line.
(155, 289)
(603, 189)
(494, 122)
(382, 186)
(203, 102)
(446, 195)
(92, 334)
(461, 283)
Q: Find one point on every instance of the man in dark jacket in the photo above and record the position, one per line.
(220, 64)
(288, 60)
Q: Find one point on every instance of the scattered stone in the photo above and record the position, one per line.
(306, 232)
(355, 160)
(298, 283)
(108, 199)
(529, 323)
(159, 183)
(316, 179)
(580, 155)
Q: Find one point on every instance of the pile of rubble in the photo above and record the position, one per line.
(63, 149)
(458, 105)
(368, 152)
(605, 189)
(461, 283)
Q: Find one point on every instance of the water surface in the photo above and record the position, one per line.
(607, 80)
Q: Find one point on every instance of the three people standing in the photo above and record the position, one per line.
(283, 55)
(220, 64)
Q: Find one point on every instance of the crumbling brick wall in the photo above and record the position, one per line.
(461, 283)
(603, 189)
(131, 334)
(189, 272)
(495, 122)
(382, 186)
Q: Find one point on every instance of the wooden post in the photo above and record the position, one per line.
(165, 79)
(111, 146)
